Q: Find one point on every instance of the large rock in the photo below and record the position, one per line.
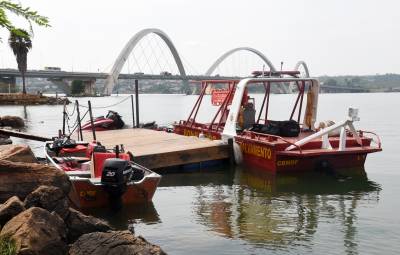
(79, 224)
(113, 243)
(36, 231)
(12, 207)
(12, 121)
(5, 140)
(17, 153)
(51, 198)
(20, 179)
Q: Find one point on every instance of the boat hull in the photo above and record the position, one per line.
(298, 164)
(86, 194)
(272, 157)
(269, 158)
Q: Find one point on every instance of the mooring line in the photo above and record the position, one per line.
(107, 106)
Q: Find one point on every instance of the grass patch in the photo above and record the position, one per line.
(7, 246)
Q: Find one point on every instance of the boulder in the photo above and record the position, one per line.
(51, 198)
(113, 243)
(20, 179)
(12, 121)
(5, 140)
(37, 231)
(17, 153)
(79, 224)
(12, 207)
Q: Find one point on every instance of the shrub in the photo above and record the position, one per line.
(7, 246)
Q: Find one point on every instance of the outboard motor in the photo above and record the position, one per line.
(115, 176)
(118, 122)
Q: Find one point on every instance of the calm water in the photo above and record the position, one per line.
(236, 211)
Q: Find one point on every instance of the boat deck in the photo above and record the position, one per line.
(158, 149)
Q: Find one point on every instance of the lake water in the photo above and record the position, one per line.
(237, 211)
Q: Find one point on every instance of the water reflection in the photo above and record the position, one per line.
(25, 113)
(130, 214)
(281, 211)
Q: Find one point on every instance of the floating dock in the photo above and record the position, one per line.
(159, 149)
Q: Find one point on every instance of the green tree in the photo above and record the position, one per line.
(331, 82)
(24, 12)
(20, 43)
(77, 87)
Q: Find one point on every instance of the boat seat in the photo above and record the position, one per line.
(77, 149)
(70, 163)
(98, 160)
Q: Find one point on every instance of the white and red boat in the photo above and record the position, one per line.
(292, 144)
(100, 177)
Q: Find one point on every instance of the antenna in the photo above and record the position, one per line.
(280, 75)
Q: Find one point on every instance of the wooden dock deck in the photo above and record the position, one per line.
(158, 149)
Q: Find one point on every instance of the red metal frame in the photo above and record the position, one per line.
(224, 106)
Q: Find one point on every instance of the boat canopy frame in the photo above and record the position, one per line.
(311, 85)
(238, 98)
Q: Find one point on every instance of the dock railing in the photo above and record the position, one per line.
(324, 133)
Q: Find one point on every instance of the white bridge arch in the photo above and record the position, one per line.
(302, 63)
(123, 56)
(228, 53)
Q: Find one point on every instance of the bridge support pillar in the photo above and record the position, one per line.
(90, 87)
(62, 84)
(8, 84)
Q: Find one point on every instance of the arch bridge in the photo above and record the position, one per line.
(123, 56)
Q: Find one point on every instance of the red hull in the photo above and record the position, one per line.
(270, 155)
(100, 125)
(85, 194)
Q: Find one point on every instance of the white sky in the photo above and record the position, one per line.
(333, 37)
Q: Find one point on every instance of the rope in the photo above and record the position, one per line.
(84, 115)
(73, 111)
(107, 106)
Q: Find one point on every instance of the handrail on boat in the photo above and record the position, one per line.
(276, 137)
(378, 142)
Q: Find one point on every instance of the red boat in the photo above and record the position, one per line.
(112, 121)
(99, 177)
(293, 144)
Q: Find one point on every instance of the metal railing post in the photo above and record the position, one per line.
(91, 120)
(79, 121)
(137, 102)
(133, 112)
(64, 117)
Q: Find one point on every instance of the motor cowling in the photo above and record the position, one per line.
(115, 175)
(118, 123)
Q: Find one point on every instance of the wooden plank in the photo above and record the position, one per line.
(157, 149)
(176, 158)
(24, 135)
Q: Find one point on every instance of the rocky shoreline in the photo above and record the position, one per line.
(36, 217)
(31, 99)
(9, 122)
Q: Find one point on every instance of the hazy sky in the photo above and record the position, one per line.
(333, 37)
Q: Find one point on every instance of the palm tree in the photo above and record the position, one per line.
(20, 43)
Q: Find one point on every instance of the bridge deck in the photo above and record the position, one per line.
(157, 150)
